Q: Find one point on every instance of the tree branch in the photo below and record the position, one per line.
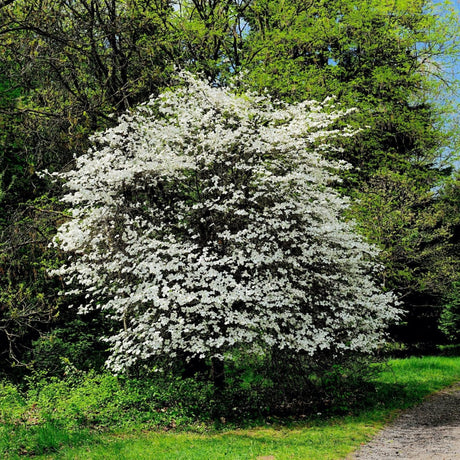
(4, 3)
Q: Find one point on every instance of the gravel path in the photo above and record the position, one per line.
(428, 431)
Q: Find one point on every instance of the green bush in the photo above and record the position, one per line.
(449, 322)
(77, 342)
(12, 403)
(54, 411)
(104, 400)
(283, 384)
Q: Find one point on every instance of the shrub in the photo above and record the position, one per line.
(449, 322)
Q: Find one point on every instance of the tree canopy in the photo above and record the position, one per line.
(205, 221)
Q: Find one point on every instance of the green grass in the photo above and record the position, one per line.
(334, 439)
(404, 383)
(38, 439)
(422, 376)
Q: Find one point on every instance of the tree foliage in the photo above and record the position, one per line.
(205, 222)
(389, 60)
(80, 61)
(67, 66)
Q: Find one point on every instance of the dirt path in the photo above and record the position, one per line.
(428, 431)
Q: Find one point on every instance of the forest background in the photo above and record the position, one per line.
(69, 68)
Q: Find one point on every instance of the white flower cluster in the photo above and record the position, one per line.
(205, 221)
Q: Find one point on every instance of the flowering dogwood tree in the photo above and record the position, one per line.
(205, 221)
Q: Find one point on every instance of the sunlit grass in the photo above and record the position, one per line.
(417, 378)
(403, 383)
(331, 440)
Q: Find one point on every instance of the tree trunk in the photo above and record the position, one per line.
(217, 373)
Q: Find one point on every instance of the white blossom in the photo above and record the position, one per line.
(205, 221)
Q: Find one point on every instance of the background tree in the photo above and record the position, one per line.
(211, 36)
(450, 316)
(73, 64)
(388, 60)
(79, 62)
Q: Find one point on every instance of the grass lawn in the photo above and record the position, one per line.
(317, 438)
(333, 439)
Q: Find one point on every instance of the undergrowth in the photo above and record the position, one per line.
(50, 412)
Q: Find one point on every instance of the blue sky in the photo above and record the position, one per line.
(456, 75)
(456, 4)
(452, 97)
